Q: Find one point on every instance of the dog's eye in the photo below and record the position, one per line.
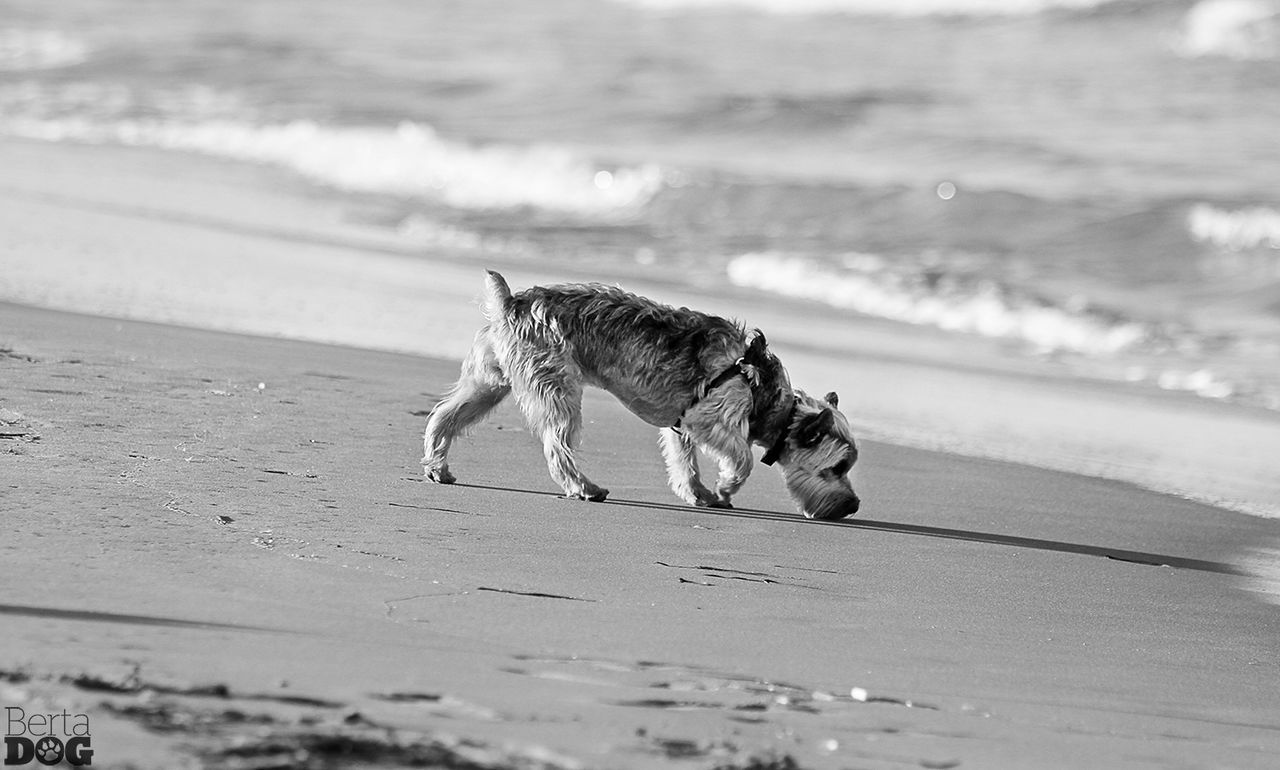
(841, 468)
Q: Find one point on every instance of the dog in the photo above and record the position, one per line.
(703, 380)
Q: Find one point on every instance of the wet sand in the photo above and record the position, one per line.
(220, 548)
(191, 241)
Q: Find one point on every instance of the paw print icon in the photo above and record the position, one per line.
(49, 750)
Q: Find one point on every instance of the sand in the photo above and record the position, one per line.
(192, 241)
(220, 548)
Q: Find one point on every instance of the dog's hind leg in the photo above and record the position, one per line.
(551, 399)
(681, 457)
(479, 389)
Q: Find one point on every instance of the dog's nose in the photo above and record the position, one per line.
(850, 508)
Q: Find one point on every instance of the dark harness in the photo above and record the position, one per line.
(774, 451)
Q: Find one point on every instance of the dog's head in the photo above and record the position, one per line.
(816, 456)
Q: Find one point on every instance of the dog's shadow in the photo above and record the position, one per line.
(1115, 554)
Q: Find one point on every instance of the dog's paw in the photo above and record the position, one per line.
(694, 494)
(439, 475)
(590, 493)
(721, 499)
(714, 502)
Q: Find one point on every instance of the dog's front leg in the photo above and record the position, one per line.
(735, 467)
(729, 446)
(682, 469)
(719, 427)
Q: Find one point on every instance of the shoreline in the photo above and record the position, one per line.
(212, 524)
(208, 243)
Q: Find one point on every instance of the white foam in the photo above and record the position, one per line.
(410, 160)
(424, 232)
(866, 285)
(879, 7)
(1247, 228)
(39, 49)
(1202, 382)
(1236, 29)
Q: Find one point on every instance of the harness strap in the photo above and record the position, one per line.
(774, 452)
(735, 370)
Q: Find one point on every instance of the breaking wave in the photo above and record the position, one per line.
(1236, 29)
(37, 49)
(1236, 230)
(880, 7)
(866, 284)
(409, 160)
(1158, 354)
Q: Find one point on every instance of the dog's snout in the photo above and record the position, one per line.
(835, 509)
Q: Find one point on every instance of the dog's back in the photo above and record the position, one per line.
(642, 351)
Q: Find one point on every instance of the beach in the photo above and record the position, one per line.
(222, 550)
(190, 241)
(223, 544)
(1032, 244)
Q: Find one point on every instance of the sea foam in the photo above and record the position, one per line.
(1236, 230)
(867, 284)
(38, 49)
(409, 160)
(1236, 29)
(880, 7)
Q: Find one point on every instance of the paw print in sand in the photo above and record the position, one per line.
(49, 750)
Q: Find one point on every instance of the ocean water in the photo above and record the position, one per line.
(1093, 182)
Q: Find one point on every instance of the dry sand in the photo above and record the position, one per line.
(221, 550)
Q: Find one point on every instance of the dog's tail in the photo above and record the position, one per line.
(496, 296)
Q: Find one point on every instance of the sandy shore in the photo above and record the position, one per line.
(198, 242)
(220, 549)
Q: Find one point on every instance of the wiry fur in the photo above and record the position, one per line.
(545, 343)
(810, 474)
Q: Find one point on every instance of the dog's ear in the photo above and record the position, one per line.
(756, 349)
(814, 427)
(832, 398)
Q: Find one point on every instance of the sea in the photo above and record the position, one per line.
(1089, 181)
